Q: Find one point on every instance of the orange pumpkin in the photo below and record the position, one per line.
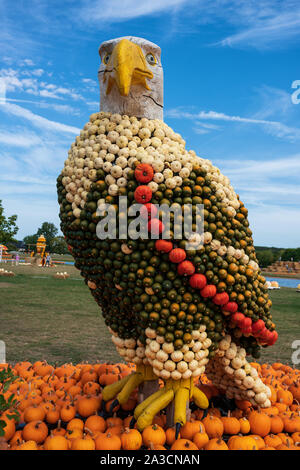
(213, 426)
(231, 424)
(190, 428)
(35, 431)
(242, 443)
(200, 439)
(9, 428)
(216, 444)
(154, 434)
(56, 443)
(184, 444)
(131, 439)
(108, 442)
(260, 423)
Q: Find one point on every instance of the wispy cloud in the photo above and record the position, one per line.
(122, 10)
(21, 138)
(273, 127)
(268, 31)
(36, 119)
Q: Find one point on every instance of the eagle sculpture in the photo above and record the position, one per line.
(175, 306)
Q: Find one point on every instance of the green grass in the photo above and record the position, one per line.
(58, 320)
(53, 319)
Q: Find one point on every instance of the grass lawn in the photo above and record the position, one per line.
(58, 320)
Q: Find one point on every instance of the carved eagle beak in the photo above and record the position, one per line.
(127, 66)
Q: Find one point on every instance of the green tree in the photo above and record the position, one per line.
(59, 245)
(8, 228)
(265, 258)
(49, 231)
(30, 240)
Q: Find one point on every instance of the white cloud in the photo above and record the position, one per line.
(276, 28)
(272, 127)
(37, 120)
(265, 183)
(122, 10)
(19, 139)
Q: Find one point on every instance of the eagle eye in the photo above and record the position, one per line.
(151, 59)
(106, 58)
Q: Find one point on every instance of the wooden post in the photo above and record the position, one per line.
(170, 413)
(147, 388)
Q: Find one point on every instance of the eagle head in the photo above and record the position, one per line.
(131, 78)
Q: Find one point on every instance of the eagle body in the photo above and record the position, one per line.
(177, 311)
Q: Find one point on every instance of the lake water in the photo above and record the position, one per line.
(284, 281)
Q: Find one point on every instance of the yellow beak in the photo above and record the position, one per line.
(129, 67)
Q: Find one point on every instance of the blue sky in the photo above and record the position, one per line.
(229, 66)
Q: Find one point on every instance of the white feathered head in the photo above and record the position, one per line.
(131, 77)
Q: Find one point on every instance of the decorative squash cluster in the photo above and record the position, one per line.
(231, 373)
(160, 286)
(61, 408)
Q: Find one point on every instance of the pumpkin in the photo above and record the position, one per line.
(294, 389)
(108, 442)
(292, 424)
(29, 445)
(67, 413)
(183, 444)
(185, 268)
(52, 416)
(272, 440)
(131, 439)
(177, 255)
(209, 290)
(95, 424)
(56, 443)
(143, 194)
(231, 424)
(148, 211)
(154, 434)
(284, 396)
(244, 425)
(200, 439)
(88, 405)
(213, 426)
(216, 444)
(190, 428)
(258, 440)
(83, 443)
(163, 245)
(34, 413)
(242, 443)
(221, 298)
(75, 423)
(35, 431)
(198, 281)
(9, 428)
(260, 423)
(155, 226)
(171, 436)
(144, 173)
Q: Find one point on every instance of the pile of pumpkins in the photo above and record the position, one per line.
(4, 272)
(61, 409)
(61, 275)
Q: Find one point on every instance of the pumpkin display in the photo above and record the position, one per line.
(242, 428)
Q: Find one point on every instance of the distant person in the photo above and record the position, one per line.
(12, 259)
(43, 261)
(48, 260)
(17, 259)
